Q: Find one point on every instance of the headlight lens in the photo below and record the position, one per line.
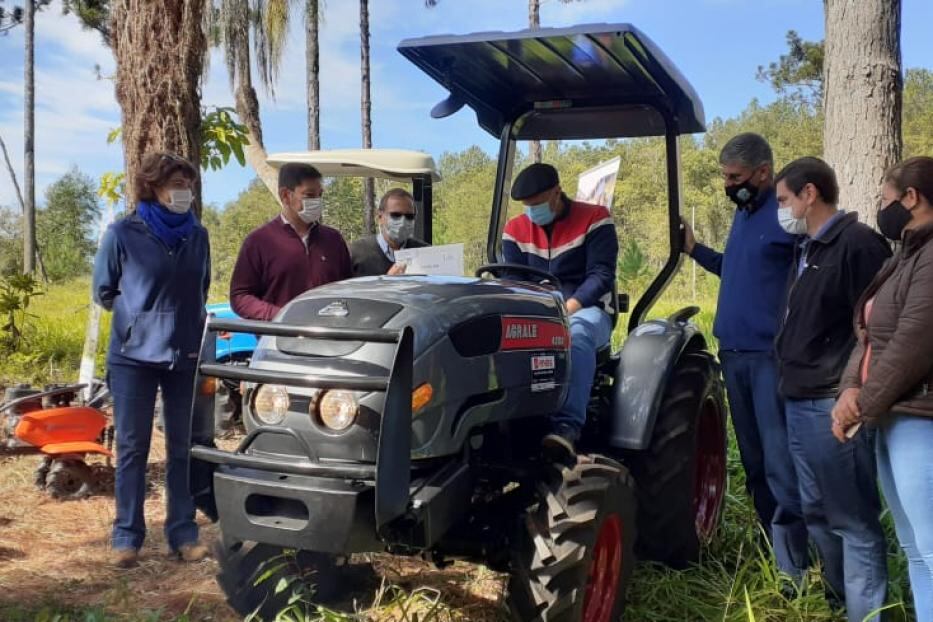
(271, 404)
(338, 409)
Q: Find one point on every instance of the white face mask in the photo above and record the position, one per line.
(794, 226)
(311, 210)
(399, 230)
(180, 201)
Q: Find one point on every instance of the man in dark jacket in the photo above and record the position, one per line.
(753, 270)
(290, 254)
(577, 243)
(374, 255)
(835, 262)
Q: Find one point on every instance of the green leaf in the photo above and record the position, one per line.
(114, 135)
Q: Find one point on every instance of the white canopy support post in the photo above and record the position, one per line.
(89, 352)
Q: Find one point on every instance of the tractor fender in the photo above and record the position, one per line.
(646, 362)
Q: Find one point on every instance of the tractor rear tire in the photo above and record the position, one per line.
(573, 556)
(682, 474)
(250, 574)
(69, 480)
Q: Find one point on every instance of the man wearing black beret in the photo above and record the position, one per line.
(576, 242)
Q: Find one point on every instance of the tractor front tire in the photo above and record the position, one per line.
(69, 480)
(250, 574)
(682, 474)
(573, 556)
(228, 410)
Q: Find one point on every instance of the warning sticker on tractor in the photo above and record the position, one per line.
(543, 372)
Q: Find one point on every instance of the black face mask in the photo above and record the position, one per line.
(892, 218)
(743, 194)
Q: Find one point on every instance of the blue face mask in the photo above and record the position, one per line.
(540, 214)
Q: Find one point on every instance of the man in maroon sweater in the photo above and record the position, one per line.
(290, 254)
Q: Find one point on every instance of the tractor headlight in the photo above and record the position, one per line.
(338, 409)
(271, 404)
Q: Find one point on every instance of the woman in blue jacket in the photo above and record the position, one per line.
(153, 271)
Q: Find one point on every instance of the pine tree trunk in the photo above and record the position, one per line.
(159, 51)
(29, 141)
(369, 191)
(22, 205)
(862, 104)
(313, 63)
(534, 22)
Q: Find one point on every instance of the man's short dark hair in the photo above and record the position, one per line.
(747, 149)
(395, 193)
(291, 175)
(814, 171)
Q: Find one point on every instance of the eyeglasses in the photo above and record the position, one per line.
(397, 216)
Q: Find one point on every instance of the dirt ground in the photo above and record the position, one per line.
(53, 556)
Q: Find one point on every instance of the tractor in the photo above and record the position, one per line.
(409, 167)
(405, 414)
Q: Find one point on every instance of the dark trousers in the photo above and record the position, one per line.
(134, 390)
(770, 476)
(839, 496)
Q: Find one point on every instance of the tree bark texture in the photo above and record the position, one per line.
(29, 141)
(159, 50)
(369, 191)
(534, 22)
(862, 104)
(313, 77)
(247, 108)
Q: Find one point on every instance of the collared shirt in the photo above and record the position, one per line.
(304, 238)
(805, 244)
(384, 245)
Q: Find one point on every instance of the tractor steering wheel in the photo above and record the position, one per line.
(542, 277)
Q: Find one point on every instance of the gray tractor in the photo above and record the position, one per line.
(404, 414)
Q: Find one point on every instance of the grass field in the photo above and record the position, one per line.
(52, 556)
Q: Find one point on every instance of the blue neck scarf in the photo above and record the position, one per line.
(168, 226)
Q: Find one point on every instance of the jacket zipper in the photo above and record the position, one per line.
(173, 257)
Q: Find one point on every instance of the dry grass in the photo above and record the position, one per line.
(53, 558)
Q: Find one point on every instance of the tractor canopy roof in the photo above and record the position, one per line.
(589, 81)
(396, 164)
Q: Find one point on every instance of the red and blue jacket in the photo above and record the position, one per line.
(580, 249)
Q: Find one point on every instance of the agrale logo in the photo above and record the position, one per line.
(337, 308)
(522, 331)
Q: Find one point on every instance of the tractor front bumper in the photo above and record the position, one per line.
(274, 506)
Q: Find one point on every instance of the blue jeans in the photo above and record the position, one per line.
(839, 496)
(590, 329)
(905, 468)
(134, 392)
(761, 432)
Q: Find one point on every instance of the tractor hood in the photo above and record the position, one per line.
(592, 81)
(433, 306)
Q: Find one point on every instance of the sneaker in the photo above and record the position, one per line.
(558, 446)
(192, 552)
(124, 558)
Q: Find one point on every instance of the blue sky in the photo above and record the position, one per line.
(717, 44)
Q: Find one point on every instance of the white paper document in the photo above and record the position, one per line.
(445, 260)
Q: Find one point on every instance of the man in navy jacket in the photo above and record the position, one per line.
(577, 243)
(753, 270)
